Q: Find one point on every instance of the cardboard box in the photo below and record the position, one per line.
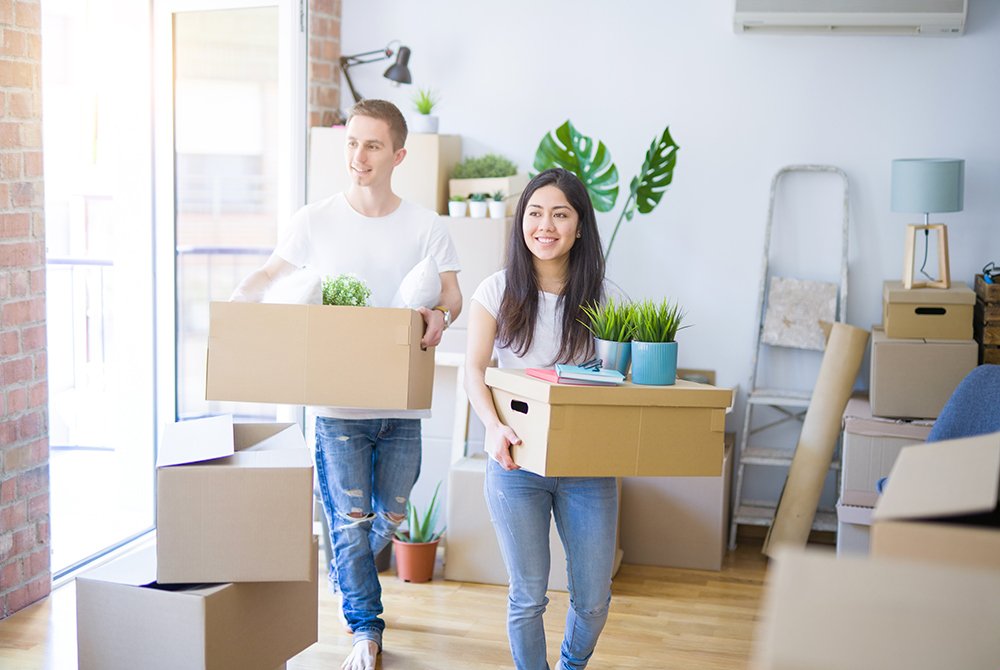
(126, 620)
(821, 612)
(679, 522)
(627, 430)
(914, 378)
(481, 244)
(940, 504)
(870, 447)
(367, 357)
(422, 177)
(472, 553)
(853, 529)
(233, 503)
(928, 313)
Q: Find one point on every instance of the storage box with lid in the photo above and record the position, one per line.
(929, 313)
(627, 430)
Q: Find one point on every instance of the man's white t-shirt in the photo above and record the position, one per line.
(548, 325)
(330, 238)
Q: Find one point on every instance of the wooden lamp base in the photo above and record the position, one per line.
(944, 275)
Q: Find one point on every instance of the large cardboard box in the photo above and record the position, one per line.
(928, 313)
(870, 447)
(472, 553)
(127, 620)
(628, 430)
(940, 503)
(367, 357)
(914, 378)
(821, 612)
(233, 503)
(679, 522)
(422, 177)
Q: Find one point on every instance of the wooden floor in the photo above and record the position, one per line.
(660, 618)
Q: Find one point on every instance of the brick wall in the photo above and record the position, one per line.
(24, 447)
(324, 70)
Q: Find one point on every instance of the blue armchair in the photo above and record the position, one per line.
(973, 408)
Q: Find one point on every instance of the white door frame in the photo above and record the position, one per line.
(292, 51)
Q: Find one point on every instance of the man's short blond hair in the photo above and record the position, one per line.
(384, 111)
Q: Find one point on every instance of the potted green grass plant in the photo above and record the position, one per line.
(478, 205)
(612, 326)
(654, 347)
(416, 547)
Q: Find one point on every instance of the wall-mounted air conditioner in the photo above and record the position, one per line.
(851, 17)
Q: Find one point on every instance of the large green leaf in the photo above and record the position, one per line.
(657, 172)
(567, 148)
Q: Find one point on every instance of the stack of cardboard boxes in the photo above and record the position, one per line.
(919, 355)
(927, 597)
(232, 580)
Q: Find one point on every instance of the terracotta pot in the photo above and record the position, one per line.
(415, 560)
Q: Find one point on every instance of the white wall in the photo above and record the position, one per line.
(740, 107)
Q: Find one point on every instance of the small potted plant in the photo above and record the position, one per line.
(612, 326)
(654, 348)
(477, 205)
(416, 547)
(424, 101)
(457, 205)
(498, 208)
(345, 290)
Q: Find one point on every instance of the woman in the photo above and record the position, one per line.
(528, 313)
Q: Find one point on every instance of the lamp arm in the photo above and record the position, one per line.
(344, 65)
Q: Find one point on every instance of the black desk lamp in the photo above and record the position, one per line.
(397, 72)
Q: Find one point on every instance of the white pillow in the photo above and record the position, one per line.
(302, 287)
(421, 287)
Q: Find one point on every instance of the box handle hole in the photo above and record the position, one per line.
(519, 406)
(931, 311)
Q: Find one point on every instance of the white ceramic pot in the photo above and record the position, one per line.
(456, 208)
(498, 209)
(477, 209)
(423, 123)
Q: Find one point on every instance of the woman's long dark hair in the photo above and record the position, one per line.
(584, 280)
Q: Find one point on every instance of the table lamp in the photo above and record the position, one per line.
(398, 72)
(927, 185)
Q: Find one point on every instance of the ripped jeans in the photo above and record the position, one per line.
(365, 468)
(521, 506)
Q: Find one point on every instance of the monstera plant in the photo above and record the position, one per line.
(590, 160)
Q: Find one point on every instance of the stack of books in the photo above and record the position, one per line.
(576, 374)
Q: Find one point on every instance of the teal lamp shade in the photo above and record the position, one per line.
(927, 185)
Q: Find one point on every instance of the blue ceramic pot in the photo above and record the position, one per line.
(654, 363)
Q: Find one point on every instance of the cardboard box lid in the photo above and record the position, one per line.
(244, 444)
(682, 394)
(943, 479)
(139, 569)
(879, 337)
(858, 420)
(857, 514)
(822, 611)
(958, 294)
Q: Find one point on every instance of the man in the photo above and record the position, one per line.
(366, 460)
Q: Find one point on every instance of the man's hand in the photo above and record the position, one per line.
(433, 327)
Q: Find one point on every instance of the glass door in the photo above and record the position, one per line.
(231, 148)
(96, 89)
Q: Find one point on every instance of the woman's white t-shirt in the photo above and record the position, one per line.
(330, 238)
(548, 325)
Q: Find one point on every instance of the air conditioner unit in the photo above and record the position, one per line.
(851, 17)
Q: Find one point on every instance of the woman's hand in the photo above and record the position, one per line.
(497, 444)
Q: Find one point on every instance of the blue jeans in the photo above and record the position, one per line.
(366, 469)
(586, 512)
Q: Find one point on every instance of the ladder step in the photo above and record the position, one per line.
(779, 397)
(773, 456)
(763, 515)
